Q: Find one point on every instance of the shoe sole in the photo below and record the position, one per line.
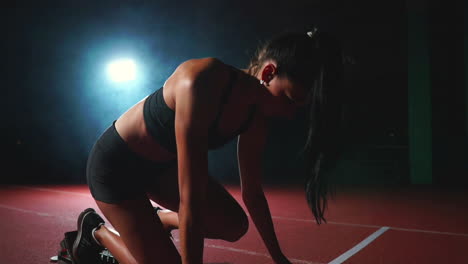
(78, 236)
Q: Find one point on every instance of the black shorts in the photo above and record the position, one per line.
(115, 173)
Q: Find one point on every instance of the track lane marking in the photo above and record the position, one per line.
(33, 212)
(359, 246)
(243, 251)
(254, 253)
(375, 226)
(24, 211)
(51, 190)
(280, 217)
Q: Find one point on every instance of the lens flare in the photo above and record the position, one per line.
(122, 70)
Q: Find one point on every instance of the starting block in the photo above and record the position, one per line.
(64, 254)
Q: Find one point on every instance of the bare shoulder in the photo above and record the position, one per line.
(192, 87)
(195, 75)
(200, 74)
(202, 63)
(203, 69)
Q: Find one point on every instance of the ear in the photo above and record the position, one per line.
(268, 72)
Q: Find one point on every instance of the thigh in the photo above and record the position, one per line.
(222, 209)
(141, 230)
(113, 172)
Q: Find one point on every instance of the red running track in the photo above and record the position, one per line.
(367, 225)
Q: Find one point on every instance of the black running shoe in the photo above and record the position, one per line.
(85, 248)
(105, 257)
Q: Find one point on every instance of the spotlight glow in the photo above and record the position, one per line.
(122, 70)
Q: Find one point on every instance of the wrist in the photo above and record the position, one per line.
(278, 255)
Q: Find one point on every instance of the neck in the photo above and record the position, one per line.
(258, 91)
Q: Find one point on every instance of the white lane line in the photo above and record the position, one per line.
(243, 251)
(376, 226)
(282, 218)
(248, 252)
(24, 211)
(428, 231)
(329, 222)
(359, 246)
(258, 254)
(294, 219)
(51, 190)
(32, 212)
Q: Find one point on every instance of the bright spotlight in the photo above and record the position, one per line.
(123, 70)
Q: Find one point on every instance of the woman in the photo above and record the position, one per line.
(158, 150)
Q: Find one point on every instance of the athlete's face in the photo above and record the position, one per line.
(284, 96)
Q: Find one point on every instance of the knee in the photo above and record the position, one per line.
(238, 229)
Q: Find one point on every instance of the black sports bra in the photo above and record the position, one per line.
(159, 119)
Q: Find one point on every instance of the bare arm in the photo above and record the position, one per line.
(250, 149)
(194, 112)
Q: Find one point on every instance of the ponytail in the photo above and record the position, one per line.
(303, 57)
(324, 115)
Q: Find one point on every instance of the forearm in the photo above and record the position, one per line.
(190, 235)
(261, 216)
(192, 175)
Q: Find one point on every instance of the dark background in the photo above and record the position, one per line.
(56, 100)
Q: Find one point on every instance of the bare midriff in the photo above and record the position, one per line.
(132, 128)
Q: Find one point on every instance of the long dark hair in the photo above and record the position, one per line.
(313, 58)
